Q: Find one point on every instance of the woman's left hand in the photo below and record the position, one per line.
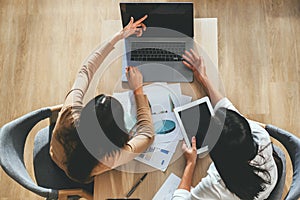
(190, 154)
(135, 79)
(132, 27)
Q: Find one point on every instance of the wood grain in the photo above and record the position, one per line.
(43, 44)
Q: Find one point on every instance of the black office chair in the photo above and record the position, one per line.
(292, 145)
(52, 183)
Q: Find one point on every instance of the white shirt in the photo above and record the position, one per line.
(213, 187)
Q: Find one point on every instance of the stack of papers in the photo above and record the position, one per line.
(163, 98)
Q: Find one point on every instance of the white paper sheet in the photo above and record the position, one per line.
(156, 157)
(168, 137)
(158, 96)
(162, 97)
(175, 93)
(167, 190)
(127, 101)
(184, 99)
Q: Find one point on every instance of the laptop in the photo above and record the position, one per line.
(157, 54)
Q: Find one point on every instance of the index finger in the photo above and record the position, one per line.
(194, 142)
(189, 55)
(188, 65)
(136, 70)
(140, 20)
(194, 54)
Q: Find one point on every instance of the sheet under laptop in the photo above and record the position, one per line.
(158, 52)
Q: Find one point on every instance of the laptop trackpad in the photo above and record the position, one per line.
(156, 72)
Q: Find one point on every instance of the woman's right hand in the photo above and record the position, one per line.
(190, 154)
(134, 28)
(135, 79)
(196, 64)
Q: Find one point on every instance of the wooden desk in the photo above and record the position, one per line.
(116, 183)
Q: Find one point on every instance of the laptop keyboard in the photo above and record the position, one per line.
(157, 51)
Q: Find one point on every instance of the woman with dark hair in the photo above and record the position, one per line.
(89, 140)
(243, 166)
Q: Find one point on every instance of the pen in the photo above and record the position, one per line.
(136, 185)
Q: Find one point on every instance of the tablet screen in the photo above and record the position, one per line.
(196, 121)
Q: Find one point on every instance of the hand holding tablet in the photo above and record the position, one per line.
(194, 119)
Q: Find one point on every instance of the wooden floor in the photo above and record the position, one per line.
(44, 42)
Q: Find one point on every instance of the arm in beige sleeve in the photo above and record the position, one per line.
(85, 75)
(144, 135)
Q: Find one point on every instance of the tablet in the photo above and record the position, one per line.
(193, 120)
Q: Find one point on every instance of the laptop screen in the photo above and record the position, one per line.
(174, 16)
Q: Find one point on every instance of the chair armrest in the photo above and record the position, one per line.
(64, 194)
(13, 136)
(55, 110)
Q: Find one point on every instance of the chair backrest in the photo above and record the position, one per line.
(280, 160)
(12, 141)
(292, 145)
(44, 165)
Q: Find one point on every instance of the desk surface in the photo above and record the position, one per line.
(116, 183)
